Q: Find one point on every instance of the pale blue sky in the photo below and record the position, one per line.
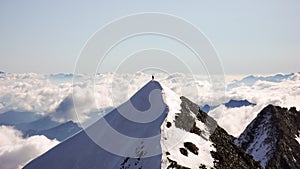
(250, 37)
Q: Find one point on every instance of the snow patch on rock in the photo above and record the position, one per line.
(260, 148)
(297, 137)
(173, 138)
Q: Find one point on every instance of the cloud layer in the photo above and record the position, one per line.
(285, 92)
(16, 151)
(56, 95)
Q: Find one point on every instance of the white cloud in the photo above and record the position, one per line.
(34, 92)
(16, 151)
(235, 120)
(76, 106)
(31, 92)
(285, 93)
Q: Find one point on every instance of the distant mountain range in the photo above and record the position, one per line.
(29, 123)
(61, 76)
(230, 104)
(16, 117)
(42, 123)
(250, 80)
(60, 132)
(238, 103)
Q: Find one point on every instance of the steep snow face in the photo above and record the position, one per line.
(123, 138)
(179, 146)
(259, 139)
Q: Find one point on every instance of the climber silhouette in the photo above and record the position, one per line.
(152, 77)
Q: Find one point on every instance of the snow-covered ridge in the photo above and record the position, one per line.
(261, 149)
(175, 141)
(269, 138)
(192, 139)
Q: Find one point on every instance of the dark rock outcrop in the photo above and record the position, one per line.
(227, 154)
(270, 138)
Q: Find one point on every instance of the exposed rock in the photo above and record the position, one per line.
(191, 147)
(227, 154)
(270, 138)
(173, 164)
(183, 151)
(169, 124)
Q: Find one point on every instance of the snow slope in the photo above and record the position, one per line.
(113, 141)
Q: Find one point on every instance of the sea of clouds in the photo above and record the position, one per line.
(85, 98)
(16, 151)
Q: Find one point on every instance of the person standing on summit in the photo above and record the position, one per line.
(152, 77)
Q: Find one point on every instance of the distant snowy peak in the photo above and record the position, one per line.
(238, 103)
(259, 138)
(61, 75)
(250, 80)
(271, 138)
(230, 104)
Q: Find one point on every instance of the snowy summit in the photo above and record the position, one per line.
(154, 129)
